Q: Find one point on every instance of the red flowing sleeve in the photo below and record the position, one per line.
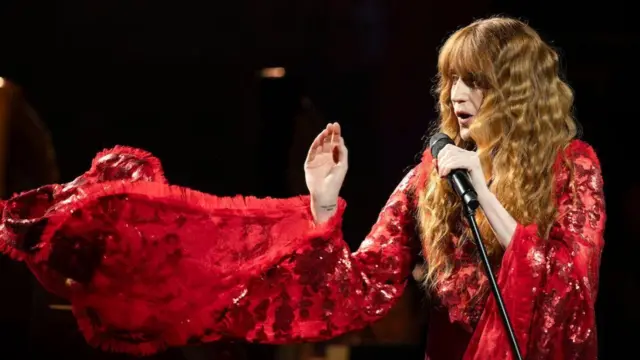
(549, 286)
(147, 265)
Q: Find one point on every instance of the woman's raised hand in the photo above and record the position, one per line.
(325, 169)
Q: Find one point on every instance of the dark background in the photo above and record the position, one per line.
(181, 80)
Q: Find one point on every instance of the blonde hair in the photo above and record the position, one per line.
(524, 121)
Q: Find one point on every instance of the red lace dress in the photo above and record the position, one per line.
(148, 265)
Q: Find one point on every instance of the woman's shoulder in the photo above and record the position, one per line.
(579, 151)
(578, 163)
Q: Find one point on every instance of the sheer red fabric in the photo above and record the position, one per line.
(148, 265)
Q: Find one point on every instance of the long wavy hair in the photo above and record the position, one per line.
(524, 122)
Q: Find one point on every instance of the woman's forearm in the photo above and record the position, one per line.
(502, 223)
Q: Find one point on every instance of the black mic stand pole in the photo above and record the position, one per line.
(470, 212)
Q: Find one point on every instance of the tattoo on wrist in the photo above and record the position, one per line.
(328, 207)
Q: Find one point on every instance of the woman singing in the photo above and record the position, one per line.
(149, 265)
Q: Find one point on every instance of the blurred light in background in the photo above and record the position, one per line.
(1, 82)
(273, 72)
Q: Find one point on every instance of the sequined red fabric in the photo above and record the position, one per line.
(154, 265)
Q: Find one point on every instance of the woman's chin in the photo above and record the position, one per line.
(465, 134)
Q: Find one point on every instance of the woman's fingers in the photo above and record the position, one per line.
(327, 141)
(336, 131)
(317, 140)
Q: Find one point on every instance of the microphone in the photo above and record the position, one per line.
(459, 179)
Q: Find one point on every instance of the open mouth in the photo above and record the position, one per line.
(463, 115)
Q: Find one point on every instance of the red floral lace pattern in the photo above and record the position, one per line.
(26, 216)
(148, 265)
(550, 286)
(464, 293)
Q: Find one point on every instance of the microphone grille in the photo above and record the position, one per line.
(437, 142)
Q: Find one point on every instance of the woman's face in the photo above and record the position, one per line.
(466, 101)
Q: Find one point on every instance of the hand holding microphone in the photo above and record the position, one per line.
(461, 167)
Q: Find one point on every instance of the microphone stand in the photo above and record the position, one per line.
(470, 212)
